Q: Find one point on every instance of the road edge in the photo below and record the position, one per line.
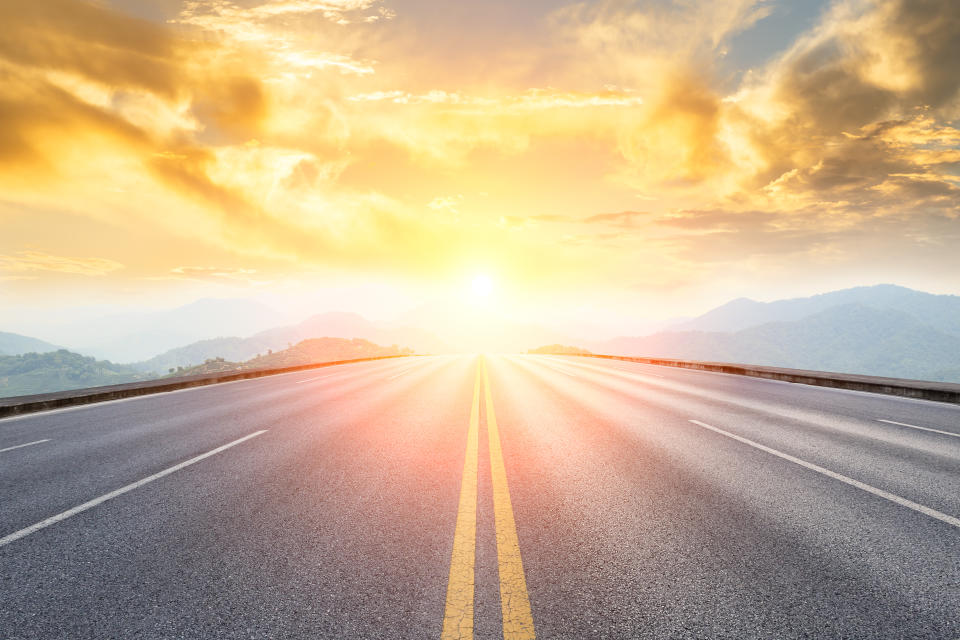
(21, 405)
(919, 389)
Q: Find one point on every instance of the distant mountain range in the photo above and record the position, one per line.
(883, 330)
(937, 311)
(311, 351)
(129, 337)
(33, 373)
(326, 325)
(13, 344)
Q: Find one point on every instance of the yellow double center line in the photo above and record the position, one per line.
(514, 599)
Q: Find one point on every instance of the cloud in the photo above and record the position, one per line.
(39, 261)
(91, 41)
(242, 21)
(864, 97)
(227, 275)
(621, 219)
(530, 100)
(320, 132)
(448, 204)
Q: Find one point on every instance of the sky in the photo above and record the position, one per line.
(600, 164)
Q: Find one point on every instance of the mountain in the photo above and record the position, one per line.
(850, 338)
(59, 370)
(128, 337)
(940, 312)
(12, 344)
(231, 349)
(334, 324)
(307, 352)
(322, 350)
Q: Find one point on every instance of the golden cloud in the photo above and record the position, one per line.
(40, 261)
(297, 130)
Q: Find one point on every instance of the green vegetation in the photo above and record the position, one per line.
(32, 373)
(59, 370)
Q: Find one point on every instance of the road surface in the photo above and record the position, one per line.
(498, 497)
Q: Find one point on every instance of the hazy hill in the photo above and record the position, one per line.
(325, 325)
(941, 312)
(232, 349)
(850, 338)
(306, 352)
(59, 370)
(322, 350)
(12, 344)
(128, 337)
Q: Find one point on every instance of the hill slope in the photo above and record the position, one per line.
(128, 337)
(326, 325)
(12, 344)
(46, 372)
(940, 312)
(312, 351)
(850, 338)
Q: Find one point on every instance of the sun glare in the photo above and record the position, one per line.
(481, 286)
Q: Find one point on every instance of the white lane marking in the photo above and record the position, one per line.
(913, 426)
(22, 533)
(24, 445)
(933, 513)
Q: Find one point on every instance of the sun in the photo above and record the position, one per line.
(481, 286)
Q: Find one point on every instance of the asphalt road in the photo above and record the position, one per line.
(442, 497)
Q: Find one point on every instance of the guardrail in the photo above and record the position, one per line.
(921, 389)
(18, 405)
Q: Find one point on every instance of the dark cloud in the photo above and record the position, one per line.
(847, 90)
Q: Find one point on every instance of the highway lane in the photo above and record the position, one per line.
(339, 520)
(664, 529)
(305, 531)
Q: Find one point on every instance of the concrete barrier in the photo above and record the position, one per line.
(18, 405)
(923, 390)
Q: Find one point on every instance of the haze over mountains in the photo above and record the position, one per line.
(134, 336)
(938, 311)
(12, 344)
(879, 330)
(326, 325)
(882, 330)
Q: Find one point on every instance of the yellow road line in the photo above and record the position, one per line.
(458, 615)
(514, 599)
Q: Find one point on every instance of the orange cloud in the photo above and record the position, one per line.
(311, 133)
